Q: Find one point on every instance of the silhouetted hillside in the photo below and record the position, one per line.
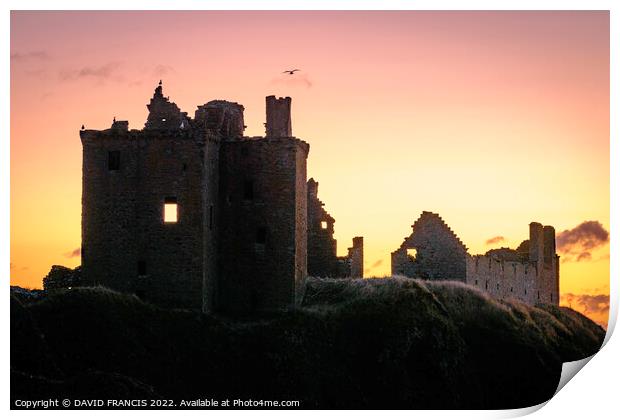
(385, 343)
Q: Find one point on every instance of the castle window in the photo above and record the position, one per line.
(412, 253)
(525, 292)
(476, 282)
(142, 268)
(323, 224)
(486, 285)
(497, 286)
(114, 160)
(171, 214)
(261, 236)
(248, 190)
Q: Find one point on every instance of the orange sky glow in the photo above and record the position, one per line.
(491, 119)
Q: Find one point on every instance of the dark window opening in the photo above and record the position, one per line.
(211, 217)
(476, 282)
(497, 286)
(248, 190)
(261, 236)
(525, 292)
(184, 167)
(114, 160)
(511, 290)
(486, 285)
(142, 268)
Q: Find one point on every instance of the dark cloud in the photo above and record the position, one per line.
(32, 55)
(376, 264)
(577, 243)
(73, 254)
(590, 304)
(495, 240)
(99, 73)
(292, 80)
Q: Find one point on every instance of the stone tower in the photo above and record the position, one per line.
(191, 213)
(278, 117)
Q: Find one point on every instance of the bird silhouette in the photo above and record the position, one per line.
(291, 71)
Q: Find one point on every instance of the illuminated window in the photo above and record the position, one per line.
(323, 224)
(114, 160)
(171, 211)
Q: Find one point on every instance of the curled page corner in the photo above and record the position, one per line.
(570, 369)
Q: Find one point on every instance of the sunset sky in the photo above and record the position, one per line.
(491, 119)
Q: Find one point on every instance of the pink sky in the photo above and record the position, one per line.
(492, 119)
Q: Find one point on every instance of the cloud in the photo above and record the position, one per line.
(73, 254)
(99, 73)
(162, 70)
(577, 243)
(376, 264)
(495, 240)
(595, 307)
(293, 80)
(32, 55)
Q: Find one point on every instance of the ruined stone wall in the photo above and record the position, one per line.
(322, 247)
(262, 215)
(503, 279)
(356, 258)
(529, 273)
(127, 244)
(439, 253)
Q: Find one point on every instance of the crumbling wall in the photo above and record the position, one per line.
(530, 273)
(432, 251)
(356, 258)
(163, 114)
(322, 247)
(503, 279)
(323, 259)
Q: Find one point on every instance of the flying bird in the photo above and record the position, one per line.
(291, 71)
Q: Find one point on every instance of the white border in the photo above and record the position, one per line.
(592, 395)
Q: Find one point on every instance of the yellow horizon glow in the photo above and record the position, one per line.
(491, 119)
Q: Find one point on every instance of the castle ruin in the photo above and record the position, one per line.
(531, 273)
(189, 212)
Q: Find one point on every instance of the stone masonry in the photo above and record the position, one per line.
(189, 212)
(530, 273)
(322, 250)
